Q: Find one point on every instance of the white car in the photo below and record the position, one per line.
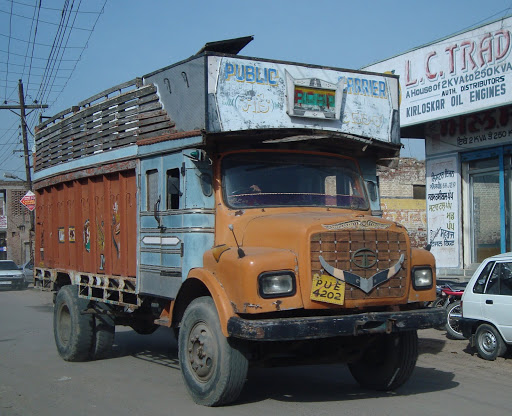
(11, 276)
(487, 307)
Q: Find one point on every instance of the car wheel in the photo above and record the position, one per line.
(454, 313)
(388, 362)
(213, 369)
(489, 343)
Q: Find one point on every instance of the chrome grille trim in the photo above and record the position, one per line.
(338, 247)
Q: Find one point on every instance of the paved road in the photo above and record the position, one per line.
(143, 377)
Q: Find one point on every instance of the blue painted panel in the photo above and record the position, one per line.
(195, 244)
(150, 258)
(148, 222)
(198, 183)
(171, 260)
(172, 221)
(169, 145)
(199, 220)
(110, 156)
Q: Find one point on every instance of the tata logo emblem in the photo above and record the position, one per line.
(364, 258)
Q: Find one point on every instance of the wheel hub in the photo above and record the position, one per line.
(201, 355)
(488, 342)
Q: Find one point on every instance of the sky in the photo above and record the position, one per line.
(102, 43)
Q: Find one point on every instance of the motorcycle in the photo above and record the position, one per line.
(449, 296)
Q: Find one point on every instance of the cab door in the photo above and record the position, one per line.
(160, 221)
(176, 220)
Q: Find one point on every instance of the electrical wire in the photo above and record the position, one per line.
(43, 86)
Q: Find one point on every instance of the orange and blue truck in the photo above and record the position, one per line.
(234, 200)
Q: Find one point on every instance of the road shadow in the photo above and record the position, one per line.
(323, 383)
(430, 345)
(315, 383)
(159, 347)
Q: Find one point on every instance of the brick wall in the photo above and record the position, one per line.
(397, 197)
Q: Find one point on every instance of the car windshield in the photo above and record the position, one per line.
(8, 265)
(264, 179)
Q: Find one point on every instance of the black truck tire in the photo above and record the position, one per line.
(73, 331)
(213, 369)
(388, 362)
(103, 339)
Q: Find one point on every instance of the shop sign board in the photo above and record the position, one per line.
(443, 183)
(464, 73)
(470, 131)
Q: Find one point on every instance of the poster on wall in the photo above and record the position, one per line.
(468, 72)
(443, 183)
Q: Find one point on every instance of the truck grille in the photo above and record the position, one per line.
(337, 249)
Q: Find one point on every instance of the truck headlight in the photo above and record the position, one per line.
(276, 284)
(422, 278)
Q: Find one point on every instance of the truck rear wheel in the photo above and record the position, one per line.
(103, 339)
(213, 369)
(73, 331)
(388, 363)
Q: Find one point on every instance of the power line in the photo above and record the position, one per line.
(35, 57)
(8, 49)
(43, 21)
(36, 43)
(50, 8)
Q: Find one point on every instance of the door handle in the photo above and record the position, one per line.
(489, 301)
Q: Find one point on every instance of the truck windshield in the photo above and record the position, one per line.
(264, 179)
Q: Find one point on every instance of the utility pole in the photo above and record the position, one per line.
(25, 140)
(22, 107)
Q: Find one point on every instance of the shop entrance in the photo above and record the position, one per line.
(489, 177)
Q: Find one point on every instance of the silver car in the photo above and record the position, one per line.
(11, 276)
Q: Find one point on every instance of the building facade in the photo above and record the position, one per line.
(15, 242)
(402, 197)
(456, 93)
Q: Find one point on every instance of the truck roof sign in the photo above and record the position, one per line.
(250, 94)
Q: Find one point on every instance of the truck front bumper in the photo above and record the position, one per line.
(290, 329)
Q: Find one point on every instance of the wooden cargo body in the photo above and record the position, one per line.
(95, 219)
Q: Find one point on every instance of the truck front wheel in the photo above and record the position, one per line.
(388, 362)
(213, 369)
(73, 331)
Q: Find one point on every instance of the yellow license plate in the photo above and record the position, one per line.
(328, 289)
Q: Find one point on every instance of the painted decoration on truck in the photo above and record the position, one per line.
(62, 235)
(71, 234)
(87, 235)
(468, 72)
(116, 229)
(357, 225)
(252, 94)
(100, 229)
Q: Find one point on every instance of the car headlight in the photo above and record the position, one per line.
(276, 284)
(422, 278)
